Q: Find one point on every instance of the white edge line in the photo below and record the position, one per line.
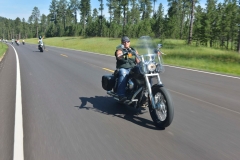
(204, 72)
(18, 127)
(223, 75)
(204, 101)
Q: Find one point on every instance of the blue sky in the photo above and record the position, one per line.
(23, 8)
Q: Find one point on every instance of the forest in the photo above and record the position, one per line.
(213, 25)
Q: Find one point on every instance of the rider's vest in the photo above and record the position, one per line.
(127, 61)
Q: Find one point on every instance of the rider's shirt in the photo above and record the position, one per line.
(40, 41)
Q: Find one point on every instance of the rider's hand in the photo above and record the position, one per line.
(157, 52)
(119, 54)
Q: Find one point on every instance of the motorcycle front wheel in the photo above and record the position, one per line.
(162, 116)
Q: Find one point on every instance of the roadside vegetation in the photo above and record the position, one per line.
(3, 49)
(177, 53)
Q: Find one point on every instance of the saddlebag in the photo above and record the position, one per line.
(108, 82)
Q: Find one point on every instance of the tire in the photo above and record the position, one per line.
(162, 118)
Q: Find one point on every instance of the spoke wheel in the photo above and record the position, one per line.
(163, 114)
(160, 103)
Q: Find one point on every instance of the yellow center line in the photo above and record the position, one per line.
(64, 55)
(170, 90)
(93, 65)
(108, 69)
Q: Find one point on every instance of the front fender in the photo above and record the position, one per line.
(157, 85)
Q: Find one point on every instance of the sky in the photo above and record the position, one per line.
(12, 9)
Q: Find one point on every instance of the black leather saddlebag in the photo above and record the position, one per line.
(108, 82)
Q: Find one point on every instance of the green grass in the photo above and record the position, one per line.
(203, 58)
(98, 45)
(3, 49)
(176, 52)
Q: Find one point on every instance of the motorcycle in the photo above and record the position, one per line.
(41, 47)
(140, 91)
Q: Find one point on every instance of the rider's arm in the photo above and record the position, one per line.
(157, 52)
(136, 59)
(119, 54)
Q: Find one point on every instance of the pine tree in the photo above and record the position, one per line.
(191, 23)
(73, 7)
(145, 8)
(36, 19)
(101, 16)
(159, 22)
(134, 15)
(173, 20)
(197, 30)
(85, 9)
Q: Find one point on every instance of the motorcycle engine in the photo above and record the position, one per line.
(130, 84)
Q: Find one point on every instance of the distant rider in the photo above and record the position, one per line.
(40, 40)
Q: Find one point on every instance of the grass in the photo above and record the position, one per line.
(203, 58)
(176, 52)
(3, 49)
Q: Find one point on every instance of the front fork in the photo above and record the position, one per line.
(150, 87)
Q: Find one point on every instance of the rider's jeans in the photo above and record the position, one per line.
(122, 81)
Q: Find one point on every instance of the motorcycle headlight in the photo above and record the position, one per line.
(151, 67)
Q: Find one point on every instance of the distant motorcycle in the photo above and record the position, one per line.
(139, 90)
(41, 46)
(17, 43)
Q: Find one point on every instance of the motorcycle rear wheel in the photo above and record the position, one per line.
(163, 115)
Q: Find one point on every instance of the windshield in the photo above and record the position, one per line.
(145, 45)
(149, 54)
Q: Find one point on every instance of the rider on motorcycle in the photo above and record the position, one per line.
(130, 84)
(40, 40)
(40, 43)
(124, 64)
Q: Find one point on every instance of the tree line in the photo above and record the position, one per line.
(214, 25)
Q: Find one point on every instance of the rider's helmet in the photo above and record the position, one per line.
(125, 39)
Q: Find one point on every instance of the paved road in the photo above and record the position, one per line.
(67, 115)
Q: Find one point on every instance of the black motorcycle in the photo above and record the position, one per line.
(140, 90)
(17, 43)
(41, 47)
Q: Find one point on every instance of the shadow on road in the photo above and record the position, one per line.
(109, 106)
